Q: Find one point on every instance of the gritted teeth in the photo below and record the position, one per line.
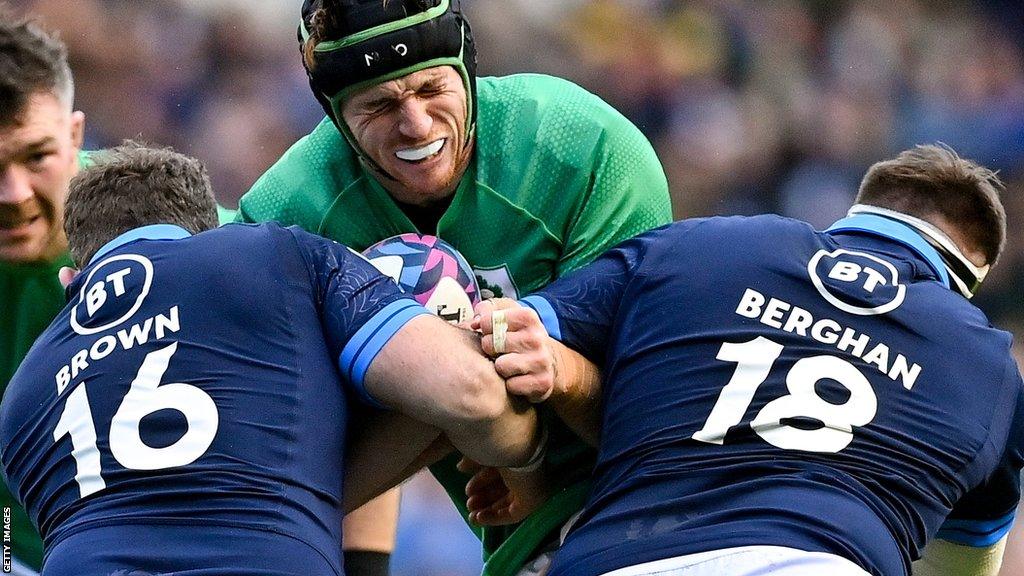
(421, 153)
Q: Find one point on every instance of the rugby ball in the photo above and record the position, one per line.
(432, 271)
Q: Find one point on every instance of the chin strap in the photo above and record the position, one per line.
(964, 276)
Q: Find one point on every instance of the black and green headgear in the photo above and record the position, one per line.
(379, 40)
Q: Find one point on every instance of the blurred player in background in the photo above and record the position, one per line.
(40, 138)
(186, 410)
(785, 401)
(529, 176)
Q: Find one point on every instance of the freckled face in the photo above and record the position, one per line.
(414, 128)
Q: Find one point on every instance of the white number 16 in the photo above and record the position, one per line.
(145, 397)
(754, 362)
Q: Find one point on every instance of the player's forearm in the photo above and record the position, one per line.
(379, 455)
(577, 399)
(471, 405)
(942, 558)
(499, 430)
(440, 375)
(366, 480)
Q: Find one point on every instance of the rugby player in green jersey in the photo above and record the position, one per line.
(529, 176)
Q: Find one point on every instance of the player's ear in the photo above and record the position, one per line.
(67, 275)
(77, 129)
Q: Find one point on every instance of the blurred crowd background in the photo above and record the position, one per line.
(753, 106)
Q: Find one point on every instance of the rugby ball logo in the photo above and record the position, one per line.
(855, 282)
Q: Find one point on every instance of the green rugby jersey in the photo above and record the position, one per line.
(32, 296)
(558, 177)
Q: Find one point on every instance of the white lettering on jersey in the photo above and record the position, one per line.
(117, 279)
(750, 304)
(127, 338)
(856, 271)
(148, 394)
(786, 317)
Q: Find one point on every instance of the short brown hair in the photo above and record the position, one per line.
(933, 180)
(31, 62)
(135, 185)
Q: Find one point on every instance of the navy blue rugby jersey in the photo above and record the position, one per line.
(767, 384)
(190, 403)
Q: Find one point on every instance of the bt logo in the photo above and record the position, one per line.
(856, 282)
(96, 295)
(851, 272)
(118, 283)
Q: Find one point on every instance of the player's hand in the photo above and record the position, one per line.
(497, 496)
(521, 349)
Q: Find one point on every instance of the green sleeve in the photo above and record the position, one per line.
(628, 195)
(32, 297)
(273, 198)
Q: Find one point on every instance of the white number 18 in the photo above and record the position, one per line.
(754, 362)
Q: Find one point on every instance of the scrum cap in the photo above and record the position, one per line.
(379, 40)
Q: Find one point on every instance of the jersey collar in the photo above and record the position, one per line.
(897, 232)
(151, 232)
